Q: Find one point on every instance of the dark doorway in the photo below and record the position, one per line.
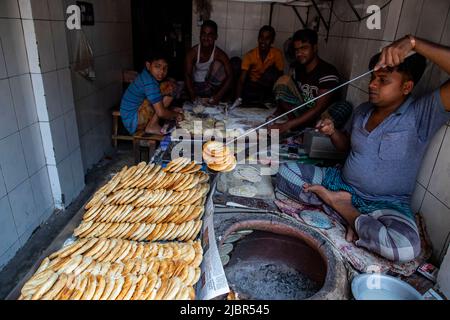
(164, 25)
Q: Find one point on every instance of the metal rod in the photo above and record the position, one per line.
(272, 4)
(307, 16)
(316, 98)
(320, 14)
(301, 106)
(354, 10)
(188, 140)
(299, 17)
(329, 20)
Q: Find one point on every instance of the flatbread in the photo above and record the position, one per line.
(247, 191)
(248, 173)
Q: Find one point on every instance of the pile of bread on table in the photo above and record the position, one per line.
(137, 240)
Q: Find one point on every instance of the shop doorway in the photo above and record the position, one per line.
(162, 24)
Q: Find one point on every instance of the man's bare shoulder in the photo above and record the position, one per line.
(220, 54)
(192, 51)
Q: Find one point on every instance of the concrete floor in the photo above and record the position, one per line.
(51, 235)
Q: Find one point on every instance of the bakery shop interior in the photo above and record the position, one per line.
(224, 150)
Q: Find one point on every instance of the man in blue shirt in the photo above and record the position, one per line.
(387, 139)
(147, 99)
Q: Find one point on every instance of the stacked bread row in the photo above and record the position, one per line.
(113, 258)
(148, 203)
(126, 270)
(134, 182)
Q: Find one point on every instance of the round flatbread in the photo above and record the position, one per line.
(226, 248)
(231, 166)
(247, 173)
(226, 164)
(247, 191)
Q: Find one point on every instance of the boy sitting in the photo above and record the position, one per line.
(147, 99)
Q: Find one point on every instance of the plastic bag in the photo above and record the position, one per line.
(84, 61)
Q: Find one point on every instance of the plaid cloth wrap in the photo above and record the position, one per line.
(214, 79)
(387, 229)
(286, 90)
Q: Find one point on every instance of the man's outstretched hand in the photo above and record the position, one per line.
(179, 116)
(282, 127)
(326, 127)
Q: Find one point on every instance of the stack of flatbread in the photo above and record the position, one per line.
(218, 157)
(148, 203)
(177, 176)
(112, 269)
(113, 258)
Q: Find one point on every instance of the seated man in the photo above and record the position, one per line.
(260, 68)
(311, 78)
(208, 71)
(147, 99)
(387, 139)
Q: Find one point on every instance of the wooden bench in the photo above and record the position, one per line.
(115, 134)
(128, 77)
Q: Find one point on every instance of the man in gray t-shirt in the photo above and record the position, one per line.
(386, 140)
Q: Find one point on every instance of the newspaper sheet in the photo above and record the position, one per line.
(213, 282)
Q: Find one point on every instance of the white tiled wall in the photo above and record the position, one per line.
(48, 56)
(13, 44)
(12, 160)
(9, 9)
(32, 142)
(22, 207)
(8, 231)
(240, 22)
(37, 114)
(44, 37)
(111, 42)
(7, 113)
(42, 192)
(21, 151)
(23, 99)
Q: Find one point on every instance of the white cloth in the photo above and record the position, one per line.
(201, 68)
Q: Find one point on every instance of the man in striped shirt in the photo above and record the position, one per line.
(310, 78)
(147, 99)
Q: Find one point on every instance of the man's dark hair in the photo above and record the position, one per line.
(267, 28)
(211, 24)
(412, 68)
(306, 35)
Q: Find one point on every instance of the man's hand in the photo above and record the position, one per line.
(213, 101)
(178, 109)
(394, 54)
(282, 127)
(178, 114)
(179, 117)
(270, 118)
(236, 103)
(168, 88)
(326, 127)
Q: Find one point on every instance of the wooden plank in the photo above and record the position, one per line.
(118, 137)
